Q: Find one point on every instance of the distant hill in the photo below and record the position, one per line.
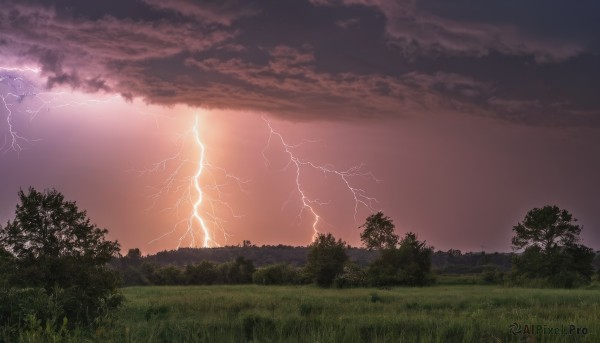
(261, 256)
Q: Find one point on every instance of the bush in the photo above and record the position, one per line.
(492, 275)
(276, 274)
(352, 276)
(238, 272)
(20, 308)
(169, 275)
(203, 273)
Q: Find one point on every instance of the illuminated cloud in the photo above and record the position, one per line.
(321, 59)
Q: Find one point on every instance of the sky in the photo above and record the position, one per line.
(453, 118)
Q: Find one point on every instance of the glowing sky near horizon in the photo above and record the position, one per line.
(469, 118)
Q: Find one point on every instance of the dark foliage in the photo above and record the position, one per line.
(450, 262)
(260, 255)
(326, 259)
(378, 232)
(203, 273)
(237, 272)
(352, 275)
(278, 274)
(551, 254)
(455, 262)
(52, 246)
(409, 264)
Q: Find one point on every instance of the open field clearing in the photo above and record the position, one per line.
(309, 314)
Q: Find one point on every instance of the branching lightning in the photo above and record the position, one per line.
(199, 193)
(309, 204)
(14, 90)
(205, 197)
(202, 191)
(18, 89)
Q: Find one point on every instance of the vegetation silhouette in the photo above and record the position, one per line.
(551, 254)
(378, 232)
(59, 272)
(57, 264)
(326, 259)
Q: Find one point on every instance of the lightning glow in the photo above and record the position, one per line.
(196, 209)
(309, 204)
(16, 89)
(204, 197)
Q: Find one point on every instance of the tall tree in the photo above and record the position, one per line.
(55, 246)
(548, 238)
(326, 259)
(547, 227)
(378, 232)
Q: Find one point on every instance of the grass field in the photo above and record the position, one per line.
(444, 313)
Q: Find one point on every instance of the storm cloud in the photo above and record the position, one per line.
(528, 63)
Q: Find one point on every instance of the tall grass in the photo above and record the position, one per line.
(445, 313)
(309, 314)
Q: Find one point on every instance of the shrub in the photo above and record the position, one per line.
(203, 273)
(352, 276)
(276, 274)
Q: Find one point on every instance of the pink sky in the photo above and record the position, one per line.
(470, 114)
(458, 181)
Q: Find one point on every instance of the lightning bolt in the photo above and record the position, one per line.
(202, 191)
(18, 89)
(196, 214)
(309, 204)
(205, 197)
(17, 92)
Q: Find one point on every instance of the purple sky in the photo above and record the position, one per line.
(469, 115)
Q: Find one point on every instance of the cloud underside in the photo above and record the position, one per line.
(193, 54)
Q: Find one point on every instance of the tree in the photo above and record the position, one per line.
(378, 232)
(547, 228)
(56, 247)
(548, 238)
(134, 254)
(409, 264)
(326, 259)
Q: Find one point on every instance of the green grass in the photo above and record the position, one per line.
(445, 313)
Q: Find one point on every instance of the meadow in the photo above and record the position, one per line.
(443, 313)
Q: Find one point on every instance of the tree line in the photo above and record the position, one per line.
(58, 270)
(404, 261)
(452, 261)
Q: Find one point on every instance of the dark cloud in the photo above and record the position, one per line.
(220, 12)
(322, 59)
(346, 23)
(417, 31)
